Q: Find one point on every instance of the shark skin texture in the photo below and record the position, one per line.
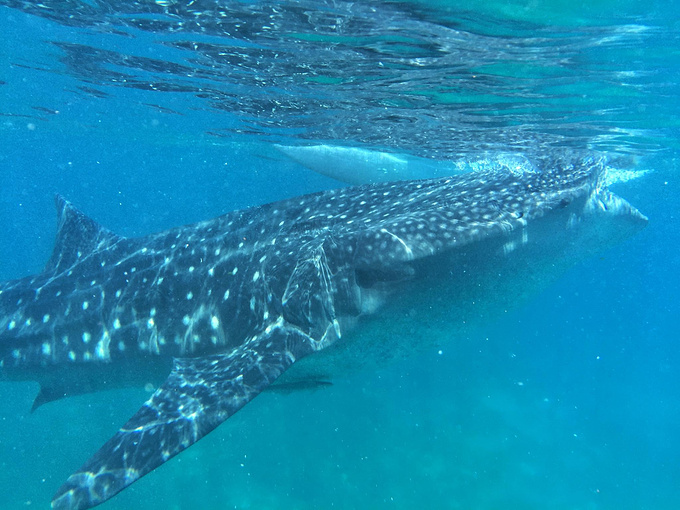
(318, 284)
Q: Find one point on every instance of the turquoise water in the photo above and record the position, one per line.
(151, 115)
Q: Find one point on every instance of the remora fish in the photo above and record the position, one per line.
(332, 279)
(353, 165)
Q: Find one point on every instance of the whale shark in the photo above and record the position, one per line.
(292, 292)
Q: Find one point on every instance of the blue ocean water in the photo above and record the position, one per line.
(148, 115)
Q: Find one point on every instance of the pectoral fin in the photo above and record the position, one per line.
(198, 395)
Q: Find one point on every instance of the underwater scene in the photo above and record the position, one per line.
(437, 240)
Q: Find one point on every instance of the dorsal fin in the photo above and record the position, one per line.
(77, 236)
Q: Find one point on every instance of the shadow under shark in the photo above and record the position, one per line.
(287, 293)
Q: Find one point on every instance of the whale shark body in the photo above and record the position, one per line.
(295, 291)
